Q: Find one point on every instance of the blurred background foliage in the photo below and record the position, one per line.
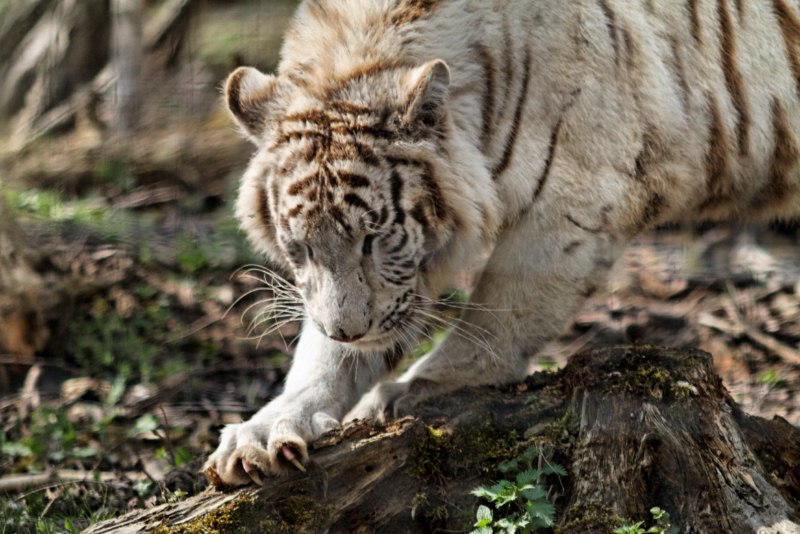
(124, 339)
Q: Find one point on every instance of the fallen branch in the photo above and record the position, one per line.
(17, 483)
(738, 329)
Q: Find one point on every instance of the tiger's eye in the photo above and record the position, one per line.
(309, 252)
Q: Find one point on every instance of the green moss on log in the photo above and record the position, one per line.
(248, 514)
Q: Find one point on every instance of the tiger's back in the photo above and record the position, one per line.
(695, 101)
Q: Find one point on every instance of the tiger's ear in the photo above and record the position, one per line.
(248, 94)
(426, 89)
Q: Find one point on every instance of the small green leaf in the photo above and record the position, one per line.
(506, 494)
(508, 526)
(554, 469)
(543, 510)
(501, 488)
(535, 493)
(116, 391)
(84, 452)
(145, 424)
(530, 453)
(481, 491)
(527, 477)
(14, 448)
(511, 465)
(142, 488)
(182, 456)
(484, 516)
(635, 528)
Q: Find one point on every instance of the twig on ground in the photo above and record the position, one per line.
(18, 483)
(30, 399)
(737, 328)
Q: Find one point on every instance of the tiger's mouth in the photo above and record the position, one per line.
(372, 342)
(403, 335)
(382, 341)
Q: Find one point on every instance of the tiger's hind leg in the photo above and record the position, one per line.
(541, 271)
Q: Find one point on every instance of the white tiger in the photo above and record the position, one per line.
(403, 139)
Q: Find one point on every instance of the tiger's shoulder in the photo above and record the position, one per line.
(691, 108)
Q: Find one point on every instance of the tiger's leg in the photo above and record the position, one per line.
(541, 271)
(323, 383)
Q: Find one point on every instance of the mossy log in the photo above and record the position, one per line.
(635, 427)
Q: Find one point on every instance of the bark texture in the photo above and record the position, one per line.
(53, 48)
(61, 60)
(635, 427)
(127, 58)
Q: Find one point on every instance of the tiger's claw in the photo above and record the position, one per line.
(290, 456)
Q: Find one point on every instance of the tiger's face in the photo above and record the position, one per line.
(346, 196)
(342, 226)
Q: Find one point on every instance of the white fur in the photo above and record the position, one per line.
(616, 133)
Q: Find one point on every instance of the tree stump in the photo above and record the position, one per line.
(22, 294)
(634, 426)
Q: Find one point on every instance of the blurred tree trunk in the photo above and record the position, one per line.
(51, 48)
(17, 17)
(64, 63)
(635, 427)
(127, 60)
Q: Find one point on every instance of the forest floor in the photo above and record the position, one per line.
(154, 335)
(161, 343)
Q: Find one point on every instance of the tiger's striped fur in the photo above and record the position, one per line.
(402, 139)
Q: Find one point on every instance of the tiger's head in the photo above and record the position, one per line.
(344, 190)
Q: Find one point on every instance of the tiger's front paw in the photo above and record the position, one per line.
(392, 400)
(251, 451)
(385, 401)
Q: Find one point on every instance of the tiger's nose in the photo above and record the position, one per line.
(343, 334)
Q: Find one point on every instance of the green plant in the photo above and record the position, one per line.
(65, 508)
(521, 504)
(769, 379)
(116, 170)
(191, 257)
(662, 524)
(52, 206)
(130, 348)
(50, 437)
